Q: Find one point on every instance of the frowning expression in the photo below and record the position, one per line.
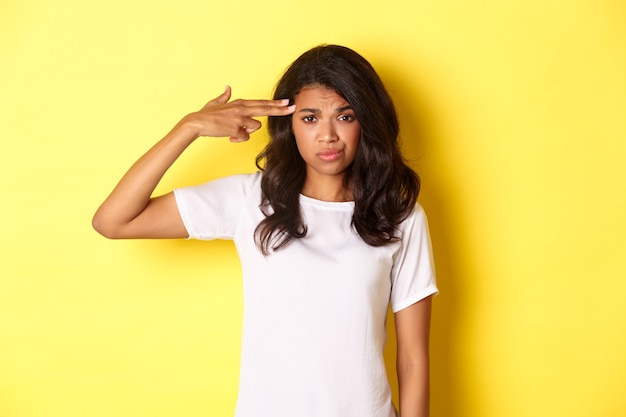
(326, 130)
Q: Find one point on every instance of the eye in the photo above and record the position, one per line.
(308, 119)
(346, 118)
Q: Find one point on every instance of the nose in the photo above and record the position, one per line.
(327, 133)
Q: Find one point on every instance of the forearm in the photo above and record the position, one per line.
(412, 332)
(130, 212)
(132, 194)
(414, 389)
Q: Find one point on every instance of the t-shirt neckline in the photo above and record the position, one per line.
(322, 203)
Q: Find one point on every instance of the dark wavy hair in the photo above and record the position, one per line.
(385, 189)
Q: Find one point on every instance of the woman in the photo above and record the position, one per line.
(328, 233)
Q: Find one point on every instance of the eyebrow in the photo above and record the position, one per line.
(318, 111)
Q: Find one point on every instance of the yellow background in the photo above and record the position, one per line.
(514, 112)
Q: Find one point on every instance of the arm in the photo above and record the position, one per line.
(131, 212)
(412, 364)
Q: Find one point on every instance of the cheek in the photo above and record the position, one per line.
(299, 130)
(354, 135)
(306, 137)
(302, 143)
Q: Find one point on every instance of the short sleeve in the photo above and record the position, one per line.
(413, 273)
(212, 210)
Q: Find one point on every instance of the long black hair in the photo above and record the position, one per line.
(384, 187)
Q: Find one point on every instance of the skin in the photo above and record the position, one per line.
(412, 359)
(130, 212)
(327, 136)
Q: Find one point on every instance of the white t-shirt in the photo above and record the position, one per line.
(315, 311)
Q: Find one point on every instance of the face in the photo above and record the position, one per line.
(327, 132)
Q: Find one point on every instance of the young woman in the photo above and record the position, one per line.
(328, 233)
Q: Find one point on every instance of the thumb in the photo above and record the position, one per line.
(221, 99)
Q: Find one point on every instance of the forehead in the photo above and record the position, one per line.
(319, 94)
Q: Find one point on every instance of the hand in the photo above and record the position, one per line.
(235, 119)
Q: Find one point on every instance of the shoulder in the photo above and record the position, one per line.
(244, 180)
(417, 216)
(213, 210)
(415, 226)
(240, 183)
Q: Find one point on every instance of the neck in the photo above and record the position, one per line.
(327, 189)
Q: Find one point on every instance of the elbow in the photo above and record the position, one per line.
(408, 368)
(104, 228)
(414, 362)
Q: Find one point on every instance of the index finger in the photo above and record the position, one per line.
(256, 108)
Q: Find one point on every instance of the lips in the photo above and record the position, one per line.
(329, 155)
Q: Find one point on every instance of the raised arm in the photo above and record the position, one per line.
(412, 332)
(130, 211)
